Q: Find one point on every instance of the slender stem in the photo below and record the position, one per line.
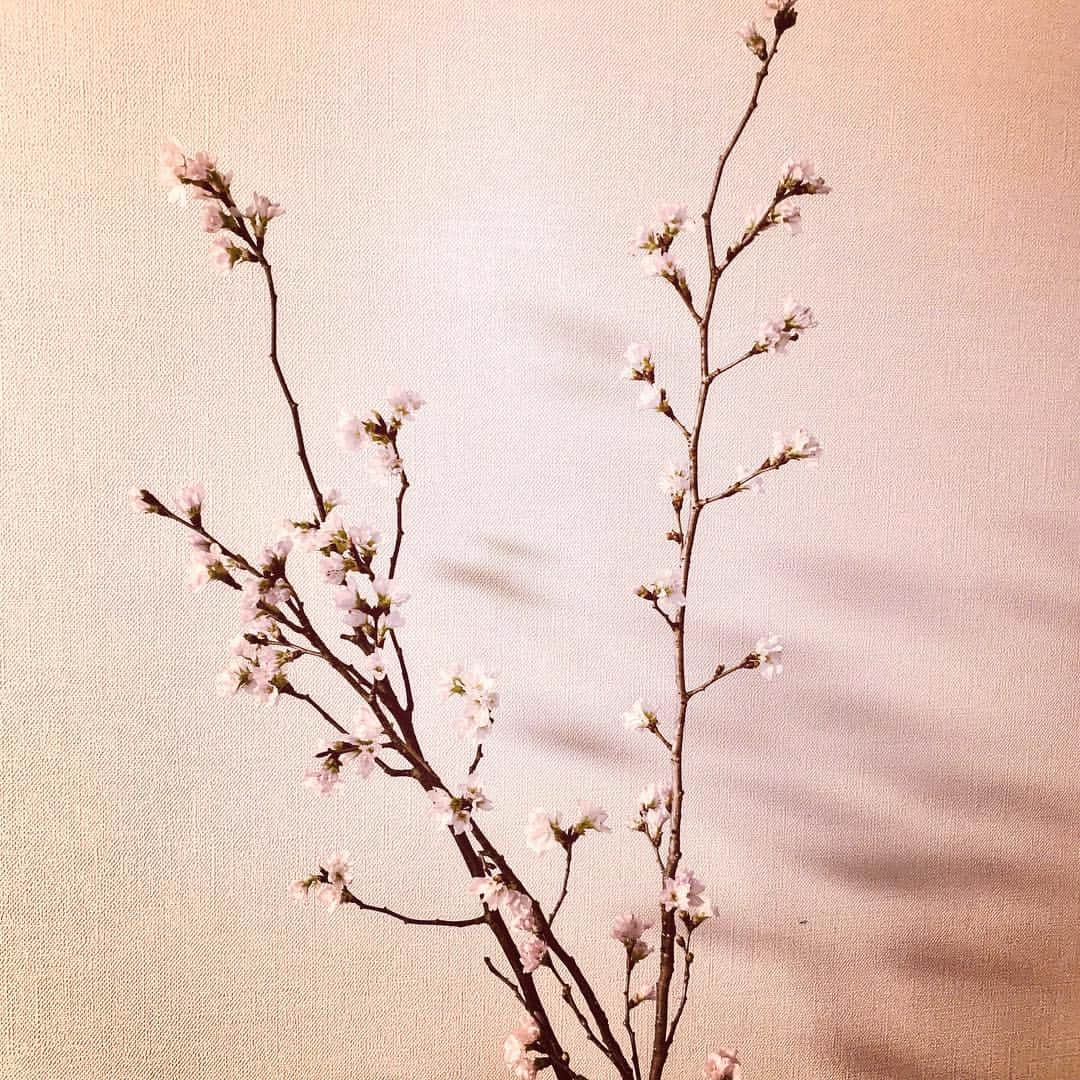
(582, 1019)
(627, 1023)
(490, 964)
(661, 1042)
(351, 898)
(688, 959)
(399, 531)
(294, 408)
(565, 884)
(290, 691)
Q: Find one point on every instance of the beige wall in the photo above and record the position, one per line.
(461, 183)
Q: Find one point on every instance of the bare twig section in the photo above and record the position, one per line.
(490, 965)
(565, 884)
(349, 897)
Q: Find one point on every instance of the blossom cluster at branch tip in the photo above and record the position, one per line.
(199, 175)
(776, 334)
(766, 657)
(665, 591)
(329, 885)
(364, 739)
(670, 219)
(724, 1065)
(640, 717)
(455, 811)
(685, 893)
(653, 811)
(762, 218)
(799, 177)
(258, 658)
(343, 549)
(480, 694)
(800, 445)
(371, 606)
(654, 241)
(546, 830)
(629, 929)
(379, 431)
(516, 1047)
(639, 365)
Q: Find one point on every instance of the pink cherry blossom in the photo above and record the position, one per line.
(724, 1065)
(767, 652)
(640, 717)
(639, 366)
(189, 500)
(531, 950)
(685, 893)
(543, 831)
(350, 431)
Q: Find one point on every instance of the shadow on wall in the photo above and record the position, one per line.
(932, 817)
(947, 824)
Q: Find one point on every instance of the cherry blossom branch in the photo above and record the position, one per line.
(384, 722)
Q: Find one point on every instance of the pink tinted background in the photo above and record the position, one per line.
(461, 184)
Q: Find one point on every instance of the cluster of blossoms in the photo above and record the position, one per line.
(800, 445)
(630, 930)
(516, 1049)
(776, 334)
(665, 591)
(379, 431)
(520, 913)
(639, 368)
(653, 242)
(763, 218)
(456, 811)
(547, 830)
(199, 175)
(342, 549)
(371, 606)
(257, 662)
(329, 885)
(800, 178)
(653, 811)
(685, 893)
(480, 694)
(358, 749)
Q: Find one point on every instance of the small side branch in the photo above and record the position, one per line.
(505, 980)
(348, 897)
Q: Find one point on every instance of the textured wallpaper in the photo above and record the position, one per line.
(890, 831)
